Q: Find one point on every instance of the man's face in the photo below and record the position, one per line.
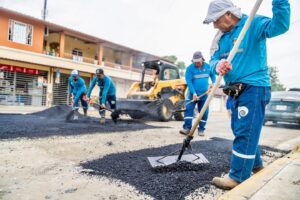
(100, 76)
(75, 78)
(225, 23)
(199, 64)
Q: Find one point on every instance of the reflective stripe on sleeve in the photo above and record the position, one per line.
(201, 76)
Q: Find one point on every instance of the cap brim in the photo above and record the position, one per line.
(207, 21)
(198, 60)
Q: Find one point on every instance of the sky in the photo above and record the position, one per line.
(164, 27)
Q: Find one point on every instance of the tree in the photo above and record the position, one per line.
(181, 65)
(276, 85)
(173, 59)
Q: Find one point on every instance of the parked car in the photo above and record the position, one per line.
(284, 107)
(295, 89)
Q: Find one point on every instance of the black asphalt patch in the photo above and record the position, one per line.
(52, 121)
(172, 182)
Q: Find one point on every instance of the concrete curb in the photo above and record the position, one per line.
(290, 145)
(253, 185)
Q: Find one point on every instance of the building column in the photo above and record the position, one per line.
(130, 61)
(50, 88)
(100, 54)
(62, 44)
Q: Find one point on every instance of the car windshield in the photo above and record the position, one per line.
(286, 95)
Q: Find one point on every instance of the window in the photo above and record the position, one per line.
(77, 52)
(77, 55)
(20, 32)
(170, 74)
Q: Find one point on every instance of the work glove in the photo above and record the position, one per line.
(88, 100)
(84, 97)
(71, 95)
(210, 89)
(223, 67)
(195, 97)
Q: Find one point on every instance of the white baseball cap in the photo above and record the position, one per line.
(218, 8)
(75, 72)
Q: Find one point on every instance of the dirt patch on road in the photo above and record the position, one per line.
(173, 182)
(52, 122)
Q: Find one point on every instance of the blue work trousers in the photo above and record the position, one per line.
(248, 112)
(189, 112)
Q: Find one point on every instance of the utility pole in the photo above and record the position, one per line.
(44, 11)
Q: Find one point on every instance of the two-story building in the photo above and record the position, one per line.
(36, 58)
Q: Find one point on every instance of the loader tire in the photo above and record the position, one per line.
(179, 105)
(165, 110)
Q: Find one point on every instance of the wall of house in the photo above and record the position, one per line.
(115, 56)
(89, 50)
(52, 37)
(38, 33)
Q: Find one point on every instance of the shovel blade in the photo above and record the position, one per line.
(191, 158)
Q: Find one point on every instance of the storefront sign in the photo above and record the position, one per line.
(18, 69)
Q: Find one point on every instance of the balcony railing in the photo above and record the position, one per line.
(80, 58)
(51, 53)
(93, 61)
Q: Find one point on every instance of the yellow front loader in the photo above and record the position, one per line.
(157, 95)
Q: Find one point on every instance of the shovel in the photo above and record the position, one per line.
(171, 158)
(73, 114)
(191, 101)
(113, 115)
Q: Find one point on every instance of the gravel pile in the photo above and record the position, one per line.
(172, 182)
(52, 122)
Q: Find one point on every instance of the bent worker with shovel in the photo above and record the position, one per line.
(77, 91)
(246, 77)
(107, 93)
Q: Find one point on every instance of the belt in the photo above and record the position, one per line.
(234, 89)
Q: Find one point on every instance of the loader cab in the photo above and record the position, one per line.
(157, 70)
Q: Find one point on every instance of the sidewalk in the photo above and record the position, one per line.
(20, 109)
(279, 180)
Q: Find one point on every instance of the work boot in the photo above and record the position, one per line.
(184, 131)
(201, 132)
(102, 120)
(257, 169)
(225, 183)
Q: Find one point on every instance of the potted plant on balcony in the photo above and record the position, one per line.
(47, 50)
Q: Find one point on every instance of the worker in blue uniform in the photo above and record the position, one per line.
(246, 77)
(107, 92)
(197, 78)
(77, 91)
